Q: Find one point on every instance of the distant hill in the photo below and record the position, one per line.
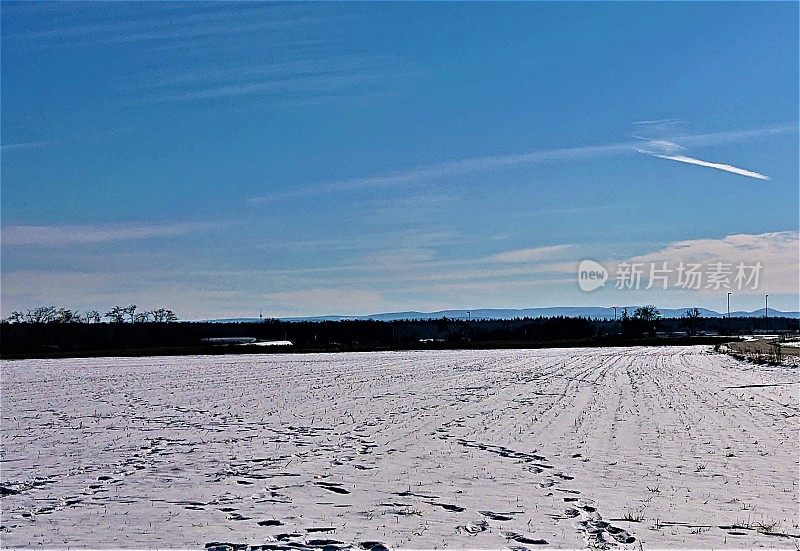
(597, 312)
(760, 313)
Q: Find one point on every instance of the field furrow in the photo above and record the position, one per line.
(606, 448)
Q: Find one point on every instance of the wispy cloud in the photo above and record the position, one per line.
(380, 284)
(25, 146)
(330, 83)
(773, 247)
(173, 35)
(657, 122)
(409, 238)
(295, 56)
(209, 73)
(139, 25)
(733, 136)
(284, 81)
(666, 148)
(453, 168)
(68, 235)
(718, 166)
(574, 210)
(497, 162)
(531, 255)
(276, 73)
(776, 252)
(663, 146)
(336, 300)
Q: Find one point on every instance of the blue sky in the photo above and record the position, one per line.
(221, 158)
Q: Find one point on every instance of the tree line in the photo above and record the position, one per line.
(117, 314)
(21, 340)
(647, 319)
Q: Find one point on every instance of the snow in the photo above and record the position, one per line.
(760, 337)
(272, 343)
(659, 447)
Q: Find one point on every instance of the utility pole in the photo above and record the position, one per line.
(615, 313)
(729, 312)
(766, 312)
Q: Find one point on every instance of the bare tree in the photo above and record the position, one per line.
(142, 317)
(647, 313)
(162, 315)
(92, 316)
(43, 314)
(16, 317)
(645, 317)
(65, 315)
(130, 311)
(116, 314)
(690, 318)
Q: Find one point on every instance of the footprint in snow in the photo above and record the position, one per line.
(474, 527)
(496, 516)
(332, 487)
(619, 534)
(448, 507)
(519, 538)
(7, 491)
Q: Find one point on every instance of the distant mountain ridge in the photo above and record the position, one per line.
(598, 312)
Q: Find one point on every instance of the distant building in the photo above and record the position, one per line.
(230, 340)
(242, 341)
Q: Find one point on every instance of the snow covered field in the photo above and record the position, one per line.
(659, 447)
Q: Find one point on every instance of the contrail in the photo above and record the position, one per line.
(718, 166)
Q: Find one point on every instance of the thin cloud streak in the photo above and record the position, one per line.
(657, 121)
(137, 27)
(718, 166)
(23, 146)
(224, 30)
(454, 168)
(718, 138)
(328, 65)
(489, 163)
(69, 235)
(322, 82)
(531, 255)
